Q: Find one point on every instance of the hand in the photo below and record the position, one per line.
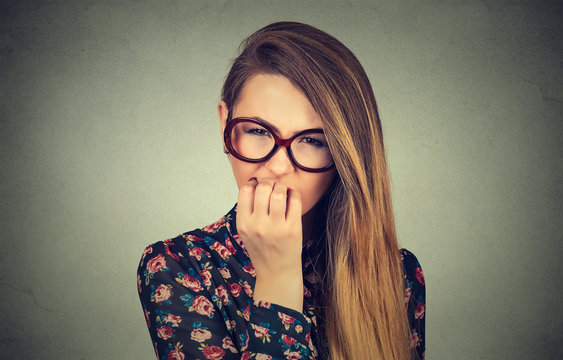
(269, 225)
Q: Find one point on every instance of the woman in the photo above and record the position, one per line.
(306, 265)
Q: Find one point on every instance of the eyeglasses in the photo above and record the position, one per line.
(253, 141)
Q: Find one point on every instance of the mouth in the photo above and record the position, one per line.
(254, 178)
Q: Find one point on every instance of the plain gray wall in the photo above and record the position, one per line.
(110, 141)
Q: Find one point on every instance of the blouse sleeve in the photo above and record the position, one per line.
(415, 298)
(187, 318)
(280, 332)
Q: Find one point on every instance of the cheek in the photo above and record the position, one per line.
(313, 187)
(243, 171)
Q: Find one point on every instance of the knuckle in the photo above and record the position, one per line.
(246, 188)
(262, 187)
(241, 225)
(260, 231)
(278, 195)
(295, 200)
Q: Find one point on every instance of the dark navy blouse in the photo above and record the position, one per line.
(196, 293)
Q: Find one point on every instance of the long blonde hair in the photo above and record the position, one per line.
(363, 291)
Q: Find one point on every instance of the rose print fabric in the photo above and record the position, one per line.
(196, 294)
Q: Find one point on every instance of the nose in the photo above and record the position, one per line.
(280, 163)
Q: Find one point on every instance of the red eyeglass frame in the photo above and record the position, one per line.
(278, 142)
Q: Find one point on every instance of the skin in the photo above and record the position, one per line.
(276, 201)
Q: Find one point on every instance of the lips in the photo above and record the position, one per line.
(254, 178)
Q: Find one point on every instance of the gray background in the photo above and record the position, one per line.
(110, 141)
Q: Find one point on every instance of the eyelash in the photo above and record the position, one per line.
(309, 140)
(257, 130)
(314, 142)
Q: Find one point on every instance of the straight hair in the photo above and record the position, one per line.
(362, 290)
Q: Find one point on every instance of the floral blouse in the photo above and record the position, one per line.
(196, 293)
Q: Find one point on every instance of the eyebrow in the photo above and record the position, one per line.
(275, 128)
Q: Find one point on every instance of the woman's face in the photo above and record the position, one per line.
(274, 99)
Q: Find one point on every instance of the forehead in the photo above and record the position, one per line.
(278, 102)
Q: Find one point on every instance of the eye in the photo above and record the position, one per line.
(258, 131)
(312, 141)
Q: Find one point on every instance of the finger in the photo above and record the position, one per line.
(262, 197)
(294, 206)
(245, 205)
(278, 201)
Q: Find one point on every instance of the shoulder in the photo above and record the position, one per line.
(209, 245)
(175, 260)
(195, 243)
(415, 301)
(411, 266)
(415, 285)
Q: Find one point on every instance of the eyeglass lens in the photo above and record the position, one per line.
(255, 142)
